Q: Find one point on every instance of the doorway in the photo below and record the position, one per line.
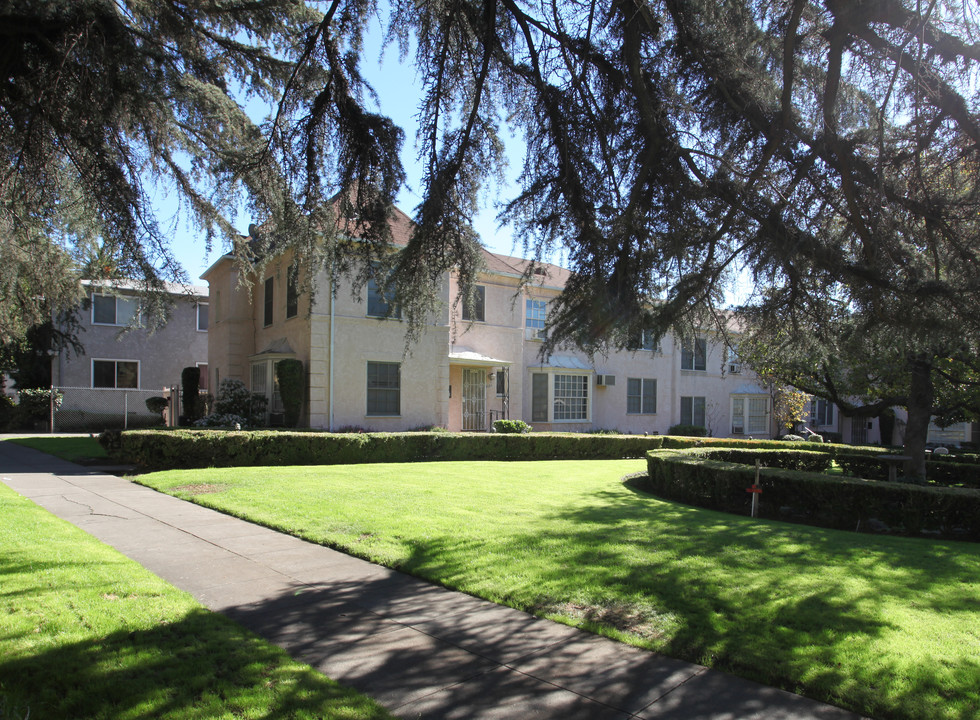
(474, 400)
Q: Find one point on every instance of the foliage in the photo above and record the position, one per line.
(511, 426)
(157, 404)
(89, 633)
(696, 477)
(814, 438)
(235, 399)
(190, 378)
(689, 430)
(885, 626)
(193, 448)
(28, 359)
(224, 420)
(791, 438)
(292, 384)
(35, 403)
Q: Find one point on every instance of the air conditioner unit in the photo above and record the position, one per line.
(734, 367)
(605, 380)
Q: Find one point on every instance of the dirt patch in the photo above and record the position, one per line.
(622, 616)
(200, 489)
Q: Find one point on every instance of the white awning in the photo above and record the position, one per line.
(464, 356)
(749, 389)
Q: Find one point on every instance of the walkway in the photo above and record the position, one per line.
(420, 650)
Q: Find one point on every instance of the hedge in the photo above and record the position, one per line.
(185, 448)
(699, 477)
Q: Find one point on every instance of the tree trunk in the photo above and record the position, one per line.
(920, 412)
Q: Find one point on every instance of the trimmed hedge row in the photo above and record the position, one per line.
(699, 477)
(184, 448)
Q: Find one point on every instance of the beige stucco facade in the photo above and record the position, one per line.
(463, 374)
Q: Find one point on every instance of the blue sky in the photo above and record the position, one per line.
(398, 93)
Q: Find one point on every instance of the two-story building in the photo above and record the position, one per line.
(471, 366)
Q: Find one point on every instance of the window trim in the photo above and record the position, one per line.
(204, 383)
(138, 314)
(479, 305)
(397, 389)
(547, 402)
(642, 396)
(816, 416)
(115, 362)
(746, 401)
(206, 316)
(691, 352)
(693, 418)
(533, 332)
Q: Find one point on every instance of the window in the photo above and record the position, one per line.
(115, 374)
(202, 317)
(692, 411)
(292, 293)
(269, 302)
(259, 373)
(649, 342)
(115, 310)
(821, 412)
(750, 414)
(479, 305)
(641, 396)
(571, 397)
(537, 313)
(539, 397)
(694, 355)
(203, 382)
(380, 301)
(383, 388)
(501, 383)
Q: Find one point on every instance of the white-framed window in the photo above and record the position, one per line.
(750, 415)
(821, 412)
(692, 411)
(384, 388)
(265, 382)
(649, 342)
(641, 396)
(560, 397)
(535, 316)
(118, 310)
(694, 354)
(202, 317)
(115, 374)
(733, 361)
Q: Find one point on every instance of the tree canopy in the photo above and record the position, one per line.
(811, 144)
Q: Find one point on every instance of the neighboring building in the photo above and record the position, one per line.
(465, 371)
(123, 363)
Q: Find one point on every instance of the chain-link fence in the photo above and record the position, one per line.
(97, 409)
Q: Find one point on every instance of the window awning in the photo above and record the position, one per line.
(565, 362)
(749, 389)
(465, 356)
(277, 348)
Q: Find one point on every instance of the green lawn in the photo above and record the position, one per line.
(889, 627)
(87, 633)
(73, 449)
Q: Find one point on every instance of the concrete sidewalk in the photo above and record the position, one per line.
(420, 650)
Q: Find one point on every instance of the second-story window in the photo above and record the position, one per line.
(268, 304)
(115, 310)
(537, 313)
(292, 293)
(381, 300)
(202, 317)
(479, 305)
(694, 354)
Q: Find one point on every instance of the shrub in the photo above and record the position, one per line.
(514, 427)
(814, 438)
(235, 399)
(698, 477)
(791, 438)
(688, 430)
(157, 404)
(289, 373)
(190, 381)
(225, 420)
(34, 405)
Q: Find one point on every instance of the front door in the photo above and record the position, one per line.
(474, 400)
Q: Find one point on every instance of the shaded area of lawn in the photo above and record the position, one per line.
(885, 626)
(85, 632)
(73, 449)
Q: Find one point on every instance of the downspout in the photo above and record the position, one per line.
(333, 302)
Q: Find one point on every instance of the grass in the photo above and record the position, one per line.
(85, 632)
(888, 627)
(73, 449)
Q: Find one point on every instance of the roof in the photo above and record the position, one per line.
(137, 286)
(544, 275)
(465, 355)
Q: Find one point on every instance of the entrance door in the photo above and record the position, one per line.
(474, 400)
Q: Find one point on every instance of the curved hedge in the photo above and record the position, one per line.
(184, 448)
(709, 478)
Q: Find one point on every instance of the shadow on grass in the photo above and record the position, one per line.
(203, 666)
